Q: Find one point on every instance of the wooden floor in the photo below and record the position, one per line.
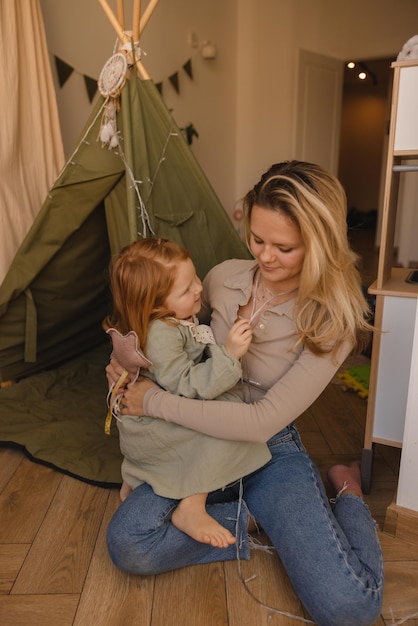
(55, 571)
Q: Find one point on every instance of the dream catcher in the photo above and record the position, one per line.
(111, 81)
(115, 71)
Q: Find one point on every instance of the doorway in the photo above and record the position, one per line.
(365, 115)
(342, 123)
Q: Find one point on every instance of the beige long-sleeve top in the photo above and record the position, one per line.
(293, 377)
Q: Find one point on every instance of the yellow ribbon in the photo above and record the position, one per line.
(113, 395)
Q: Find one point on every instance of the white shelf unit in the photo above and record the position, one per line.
(392, 410)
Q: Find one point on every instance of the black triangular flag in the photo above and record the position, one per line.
(91, 86)
(64, 71)
(159, 87)
(188, 68)
(174, 80)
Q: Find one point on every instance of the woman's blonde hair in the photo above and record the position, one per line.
(141, 278)
(331, 308)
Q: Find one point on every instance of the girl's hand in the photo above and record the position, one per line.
(132, 400)
(239, 338)
(113, 372)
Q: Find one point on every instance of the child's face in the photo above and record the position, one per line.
(184, 297)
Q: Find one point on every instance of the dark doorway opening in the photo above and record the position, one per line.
(364, 129)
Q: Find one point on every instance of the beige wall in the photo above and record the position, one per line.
(242, 103)
(342, 30)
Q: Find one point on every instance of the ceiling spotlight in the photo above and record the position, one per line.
(363, 71)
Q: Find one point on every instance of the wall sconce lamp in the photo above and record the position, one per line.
(207, 48)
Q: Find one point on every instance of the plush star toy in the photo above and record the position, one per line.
(127, 351)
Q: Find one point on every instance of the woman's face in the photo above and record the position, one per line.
(184, 297)
(277, 245)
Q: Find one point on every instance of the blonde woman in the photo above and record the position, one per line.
(303, 296)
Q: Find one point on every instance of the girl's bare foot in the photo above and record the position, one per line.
(346, 479)
(191, 518)
(124, 492)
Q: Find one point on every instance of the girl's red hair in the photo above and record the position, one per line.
(142, 276)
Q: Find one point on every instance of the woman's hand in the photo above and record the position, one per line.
(132, 394)
(132, 400)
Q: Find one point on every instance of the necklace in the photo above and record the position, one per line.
(265, 300)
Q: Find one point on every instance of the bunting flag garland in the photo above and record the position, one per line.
(64, 71)
(174, 80)
(188, 68)
(91, 86)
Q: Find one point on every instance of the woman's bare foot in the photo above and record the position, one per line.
(124, 492)
(190, 517)
(346, 479)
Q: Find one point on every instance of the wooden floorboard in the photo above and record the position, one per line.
(113, 597)
(10, 462)
(191, 595)
(259, 591)
(25, 500)
(62, 549)
(12, 556)
(39, 610)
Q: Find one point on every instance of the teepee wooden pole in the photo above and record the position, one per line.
(136, 16)
(121, 14)
(122, 36)
(141, 69)
(147, 14)
(113, 20)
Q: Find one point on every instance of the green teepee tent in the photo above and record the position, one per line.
(55, 295)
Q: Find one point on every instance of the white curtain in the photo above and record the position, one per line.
(31, 151)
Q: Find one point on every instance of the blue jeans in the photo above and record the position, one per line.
(332, 556)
